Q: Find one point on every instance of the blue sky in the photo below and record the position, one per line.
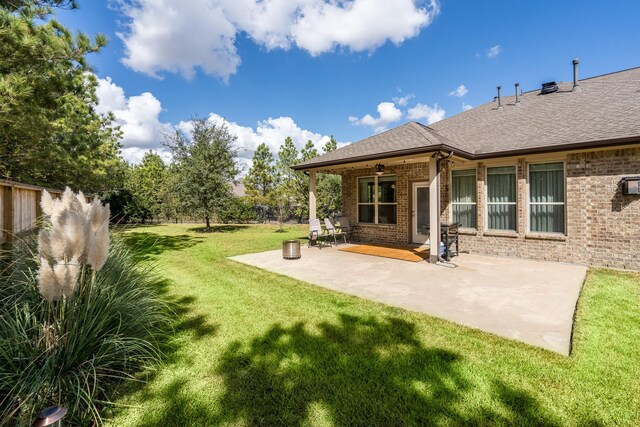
(313, 68)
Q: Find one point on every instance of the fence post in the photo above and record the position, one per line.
(7, 213)
(38, 208)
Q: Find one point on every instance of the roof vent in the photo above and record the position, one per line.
(548, 87)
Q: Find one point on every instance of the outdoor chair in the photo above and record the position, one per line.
(317, 234)
(345, 227)
(333, 231)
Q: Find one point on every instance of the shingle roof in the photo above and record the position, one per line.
(606, 109)
(405, 138)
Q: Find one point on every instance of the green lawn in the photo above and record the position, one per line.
(252, 347)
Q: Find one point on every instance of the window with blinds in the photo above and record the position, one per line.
(546, 198)
(501, 198)
(463, 197)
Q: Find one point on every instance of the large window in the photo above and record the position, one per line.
(463, 197)
(546, 198)
(377, 202)
(501, 198)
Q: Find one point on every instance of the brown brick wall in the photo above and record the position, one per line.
(603, 227)
(389, 234)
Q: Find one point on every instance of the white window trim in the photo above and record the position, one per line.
(375, 203)
(486, 196)
(529, 202)
(452, 203)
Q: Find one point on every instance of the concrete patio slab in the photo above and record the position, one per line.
(525, 300)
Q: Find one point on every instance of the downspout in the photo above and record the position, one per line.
(438, 160)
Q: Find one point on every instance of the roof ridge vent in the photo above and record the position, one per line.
(549, 87)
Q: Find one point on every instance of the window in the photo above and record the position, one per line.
(463, 197)
(377, 202)
(546, 198)
(501, 198)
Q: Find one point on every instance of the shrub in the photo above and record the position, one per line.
(74, 344)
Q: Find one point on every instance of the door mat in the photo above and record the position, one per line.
(404, 253)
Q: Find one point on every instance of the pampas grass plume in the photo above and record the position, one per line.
(46, 203)
(48, 285)
(67, 276)
(75, 230)
(79, 234)
(99, 249)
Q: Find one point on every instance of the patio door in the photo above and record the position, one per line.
(420, 212)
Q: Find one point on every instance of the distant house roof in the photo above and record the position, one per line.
(606, 111)
(238, 189)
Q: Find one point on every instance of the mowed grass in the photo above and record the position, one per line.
(255, 348)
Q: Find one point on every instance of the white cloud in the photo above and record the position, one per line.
(358, 24)
(134, 154)
(466, 107)
(460, 91)
(387, 113)
(426, 112)
(494, 51)
(270, 131)
(403, 100)
(181, 37)
(137, 116)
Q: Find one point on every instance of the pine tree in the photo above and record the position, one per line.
(329, 188)
(50, 133)
(260, 180)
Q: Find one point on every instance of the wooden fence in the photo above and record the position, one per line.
(19, 207)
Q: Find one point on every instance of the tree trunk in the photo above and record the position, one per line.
(206, 218)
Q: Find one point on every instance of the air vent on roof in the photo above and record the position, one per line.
(548, 87)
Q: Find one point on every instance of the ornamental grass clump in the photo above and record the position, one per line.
(77, 235)
(78, 316)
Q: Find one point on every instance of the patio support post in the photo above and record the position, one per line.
(434, 210)
(312, 195)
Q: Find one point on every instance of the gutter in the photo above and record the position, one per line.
(387, 155)
(560, 147)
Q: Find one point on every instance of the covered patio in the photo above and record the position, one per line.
(524, 300)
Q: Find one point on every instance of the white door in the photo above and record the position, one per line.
(420, 212)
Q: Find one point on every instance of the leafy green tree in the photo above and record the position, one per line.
(171, 206)
(146, 182)
(260, 179)
(50, 133)
(205, 168)
(238, 210)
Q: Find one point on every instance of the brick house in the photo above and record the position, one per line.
(536, 175)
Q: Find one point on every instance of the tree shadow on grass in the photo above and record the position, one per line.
(222, 228)
(358, 372)
(185, 321)
(145, 246)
